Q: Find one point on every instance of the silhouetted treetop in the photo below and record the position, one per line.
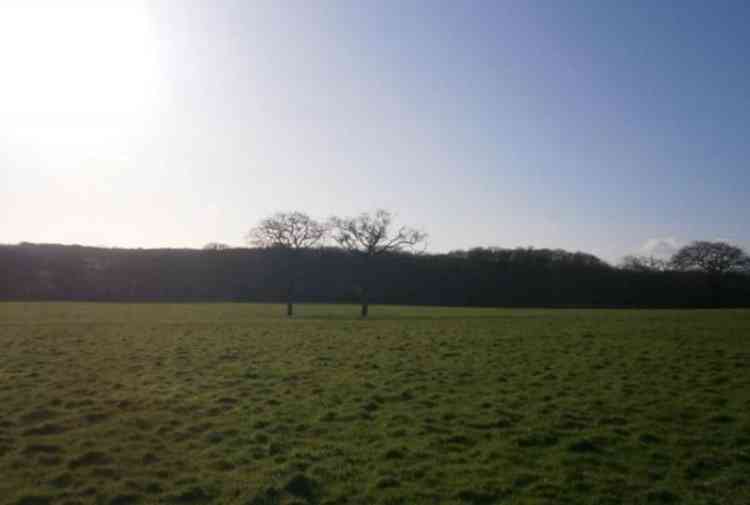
(215, 246)
(372, 234)
(531, 257)
(291, 230)
(715, 258)
(638, 263)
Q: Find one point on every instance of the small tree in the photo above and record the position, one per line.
(215, 246)
(644, 264)
(371, 235)
(291, 232)
(717, 259)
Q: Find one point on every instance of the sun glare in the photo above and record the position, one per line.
(73, 68)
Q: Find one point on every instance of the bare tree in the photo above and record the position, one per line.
(715, 258)
(290, 231)
(371, 235)
(644, 264)
(215, 246)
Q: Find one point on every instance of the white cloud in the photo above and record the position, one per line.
(660, 247)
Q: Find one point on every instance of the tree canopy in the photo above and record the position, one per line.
(373, 234)
(714, 258)
(290, 230)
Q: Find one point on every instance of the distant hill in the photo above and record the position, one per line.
(477, 277)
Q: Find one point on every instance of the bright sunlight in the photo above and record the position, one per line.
(76, 72)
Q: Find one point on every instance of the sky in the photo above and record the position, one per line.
(608, 127)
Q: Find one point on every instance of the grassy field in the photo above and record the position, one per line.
(233, 403)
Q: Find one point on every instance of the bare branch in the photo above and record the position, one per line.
(289, 230)
(644, 264)
(371, 234)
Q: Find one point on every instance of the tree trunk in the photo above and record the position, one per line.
(365, 283)
(365, 304)
(715, 282)
(289, 303)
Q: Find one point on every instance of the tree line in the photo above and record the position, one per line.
(370, 259)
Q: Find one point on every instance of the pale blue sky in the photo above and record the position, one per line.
(608, 127)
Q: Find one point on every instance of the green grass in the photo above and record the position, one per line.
(233, 403)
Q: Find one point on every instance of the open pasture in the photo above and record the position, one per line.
(233, 403)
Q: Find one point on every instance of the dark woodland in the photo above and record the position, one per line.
(477, 277)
